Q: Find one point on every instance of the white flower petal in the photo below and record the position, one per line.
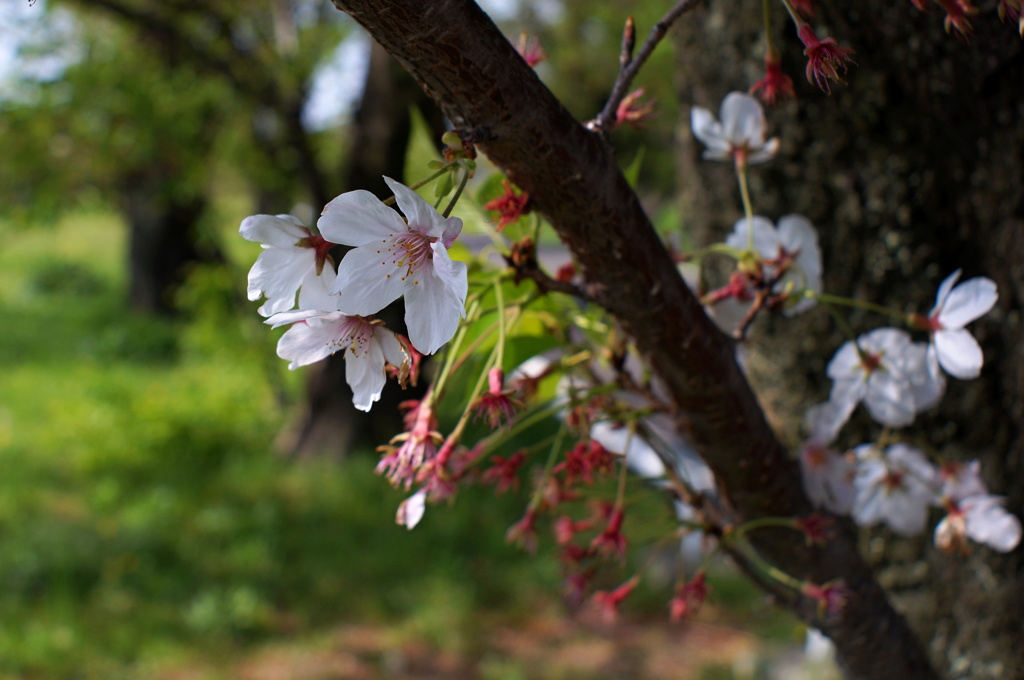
(742, 120)
(411, 511)
(928, 386)
(433, 308)
(766, 237)
(290, 317)
(944, 288)
(358, 218)
(315, 292)
(366, 282)
(364, 373)
(708, 130)
(968, 301)
(845, 364)
(303, 344)
(279, 231)
(277, 274)
(989, 523)
(421, 215)
(765, 153)
(958, 353)
(393, 351)
(824, 422)
(889, 399)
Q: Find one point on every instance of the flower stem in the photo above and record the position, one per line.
(859, 304)
(767, 15)
(556, 448)
(458, 193)
(793, 14)
(748, 209)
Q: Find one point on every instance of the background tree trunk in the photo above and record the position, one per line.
(911, 170)
(163, 240)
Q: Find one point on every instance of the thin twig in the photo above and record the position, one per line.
(630, 66)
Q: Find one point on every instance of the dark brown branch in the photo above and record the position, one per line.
(464, 62)
(630, 66)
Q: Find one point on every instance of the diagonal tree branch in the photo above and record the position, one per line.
(463, 61)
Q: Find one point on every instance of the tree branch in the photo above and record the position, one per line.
(464, 62)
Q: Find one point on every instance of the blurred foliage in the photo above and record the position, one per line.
(174, 94)
(142, 505)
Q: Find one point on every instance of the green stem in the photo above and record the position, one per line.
(748, 210)
(422, 182)
(767, 13)
(794, 15)
(858, 304)
(451, 351)
(458, 193)
(556, 448)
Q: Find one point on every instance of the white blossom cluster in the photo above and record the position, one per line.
(330, 311)
(895, 378)
(886, 370)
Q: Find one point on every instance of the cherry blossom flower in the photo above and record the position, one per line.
(894, 486)
(790, 250)
(973, 513)
(293, 261)
(952, 347)
(368, 346)
(981, 518)
(886, 371)
(825, 59)
(776, 85)
(391, 257)
(740, 135)
(509, 205)
(827, 475)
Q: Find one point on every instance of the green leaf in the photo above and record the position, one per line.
(632, 171)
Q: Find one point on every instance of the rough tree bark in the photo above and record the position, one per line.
(912, 169)
(461, 60)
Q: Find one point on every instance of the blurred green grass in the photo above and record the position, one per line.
(143, 512)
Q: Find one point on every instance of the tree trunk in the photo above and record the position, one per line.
(911, 170)
(162, 241)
